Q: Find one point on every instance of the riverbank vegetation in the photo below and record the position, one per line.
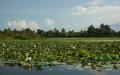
(102, 31)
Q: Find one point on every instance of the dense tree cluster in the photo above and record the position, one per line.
(102, 31)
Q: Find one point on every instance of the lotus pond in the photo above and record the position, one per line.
(59, 56)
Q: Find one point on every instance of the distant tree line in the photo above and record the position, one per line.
(102, 31)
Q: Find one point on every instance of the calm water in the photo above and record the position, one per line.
(54, 70)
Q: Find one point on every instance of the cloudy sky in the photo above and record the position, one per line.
(49, 14)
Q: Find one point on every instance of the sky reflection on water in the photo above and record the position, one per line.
(54, 70)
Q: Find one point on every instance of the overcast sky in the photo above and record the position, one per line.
(49, 14)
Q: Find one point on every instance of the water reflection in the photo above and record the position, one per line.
(53, 68)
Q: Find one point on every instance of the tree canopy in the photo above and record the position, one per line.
(102, 31)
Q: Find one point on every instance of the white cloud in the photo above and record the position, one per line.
(50, 21)
(78, 11)
(33, 25)
(23, 24)
(97, 6)
(104, 12)
(96, 10)
(87, 15)
(97, 2)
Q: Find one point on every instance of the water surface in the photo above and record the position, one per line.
(54, 70)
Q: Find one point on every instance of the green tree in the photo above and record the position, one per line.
(105, 30)
(41, 32)
(49, 33)
(63, 33)
(56, 32)
(91, 31)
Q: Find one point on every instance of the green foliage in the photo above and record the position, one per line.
(24, 34)
(67, 51)
(22, 37)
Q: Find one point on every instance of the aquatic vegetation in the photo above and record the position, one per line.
(39, 52)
